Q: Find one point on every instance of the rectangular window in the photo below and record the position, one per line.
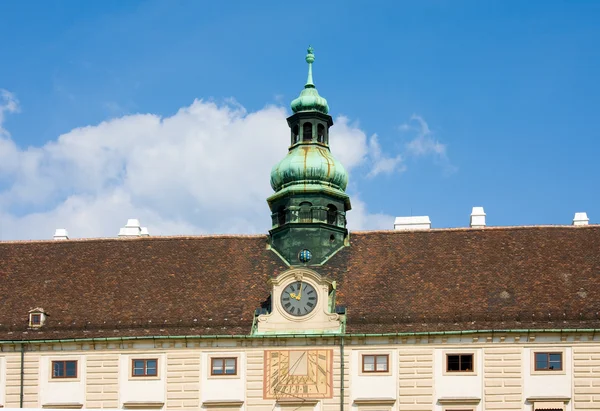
(223, 366)
(144, 368)
(459, 362)
(64, 369)
(548, 361)
(36, 319)
(375, 363)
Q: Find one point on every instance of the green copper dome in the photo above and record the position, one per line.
(309, 99)
(309, 165)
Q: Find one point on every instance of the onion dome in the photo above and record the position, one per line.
(309, 99)
(309, 165)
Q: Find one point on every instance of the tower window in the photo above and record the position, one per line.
(281, 216)
(307, 132)
(295, 135)
(331, 214)
(321, 133)
(305, 212)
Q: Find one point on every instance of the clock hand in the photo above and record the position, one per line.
(299, 292)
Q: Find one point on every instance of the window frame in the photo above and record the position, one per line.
(224, 359)
(472, 371)
(543, 371)
(375, 371)
(36, 319)
(145, 375)
(64, 377)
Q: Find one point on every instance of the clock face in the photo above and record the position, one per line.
(298, 374)
(299, 298)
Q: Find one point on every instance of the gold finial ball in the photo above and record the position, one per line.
(310, 57)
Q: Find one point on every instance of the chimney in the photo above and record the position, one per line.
(477, 217)
(61, 234)
(581, 219)
(131, 229)
(412, 223)
(144, 232)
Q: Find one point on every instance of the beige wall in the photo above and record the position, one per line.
(416, 380)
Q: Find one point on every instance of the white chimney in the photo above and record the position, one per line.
(144, 232)
(412, 223)
(477, 217)
(581, 219)
(131, 229)
(61, 234)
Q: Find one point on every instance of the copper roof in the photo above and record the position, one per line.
(390, 281)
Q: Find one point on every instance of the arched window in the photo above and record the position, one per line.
(305, 215)
(281, 216)
(307, 132)
(295, 136)
(331, 214)
(321, 133)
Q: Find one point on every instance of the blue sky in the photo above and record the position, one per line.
(508, 90)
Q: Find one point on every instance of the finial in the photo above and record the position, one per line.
(310, 58)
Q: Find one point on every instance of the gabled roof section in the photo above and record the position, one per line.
(390, 281)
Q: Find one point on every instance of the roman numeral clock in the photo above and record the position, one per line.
(301, 304)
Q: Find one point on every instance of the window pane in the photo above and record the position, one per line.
(58, 369)
(541, 361)
(151, 367)
(138, 367)
(217, 366)
(368, 363)
(71, 369)
(555, 361)
(453, 363)
(466, 363)
(382, 363)
(230, 366)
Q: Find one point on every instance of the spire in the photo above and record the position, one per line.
(309, 99)
(310, 58)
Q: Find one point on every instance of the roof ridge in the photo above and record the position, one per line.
(149, 238)
(487, 228)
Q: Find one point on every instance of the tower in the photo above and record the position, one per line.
(309, 206)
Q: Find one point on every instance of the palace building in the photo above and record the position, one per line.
(309, 316)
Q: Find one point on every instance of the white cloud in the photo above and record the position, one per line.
(204, 169)
(424, 143)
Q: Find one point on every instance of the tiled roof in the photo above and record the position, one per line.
(390, 281)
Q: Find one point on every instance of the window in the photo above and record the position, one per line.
(144, 368)
(305, 215)
(331, 214)
(281, 216)
(320, 133)
(64, 369)
(295, 134)
(36, 320)
(307, 132)
(223, 366)
(375, 363)
(548, 361)
(459, 363)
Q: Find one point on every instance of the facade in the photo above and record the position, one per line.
(310, 316)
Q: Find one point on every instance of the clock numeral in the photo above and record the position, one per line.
(286, 298)
(309, 292)
(312, 298)
(310, 304)
(292, 310)
(287, 305)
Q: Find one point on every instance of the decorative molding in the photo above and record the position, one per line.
(222, 403)
(375, 401)
(143, 404)
(564, 400)
(459, 400)
(64, 405)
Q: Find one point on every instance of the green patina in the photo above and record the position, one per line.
(309, 204)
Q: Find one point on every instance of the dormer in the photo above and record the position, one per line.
(37, 318)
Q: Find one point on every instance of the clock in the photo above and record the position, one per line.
(299, 298)
(298, 374)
